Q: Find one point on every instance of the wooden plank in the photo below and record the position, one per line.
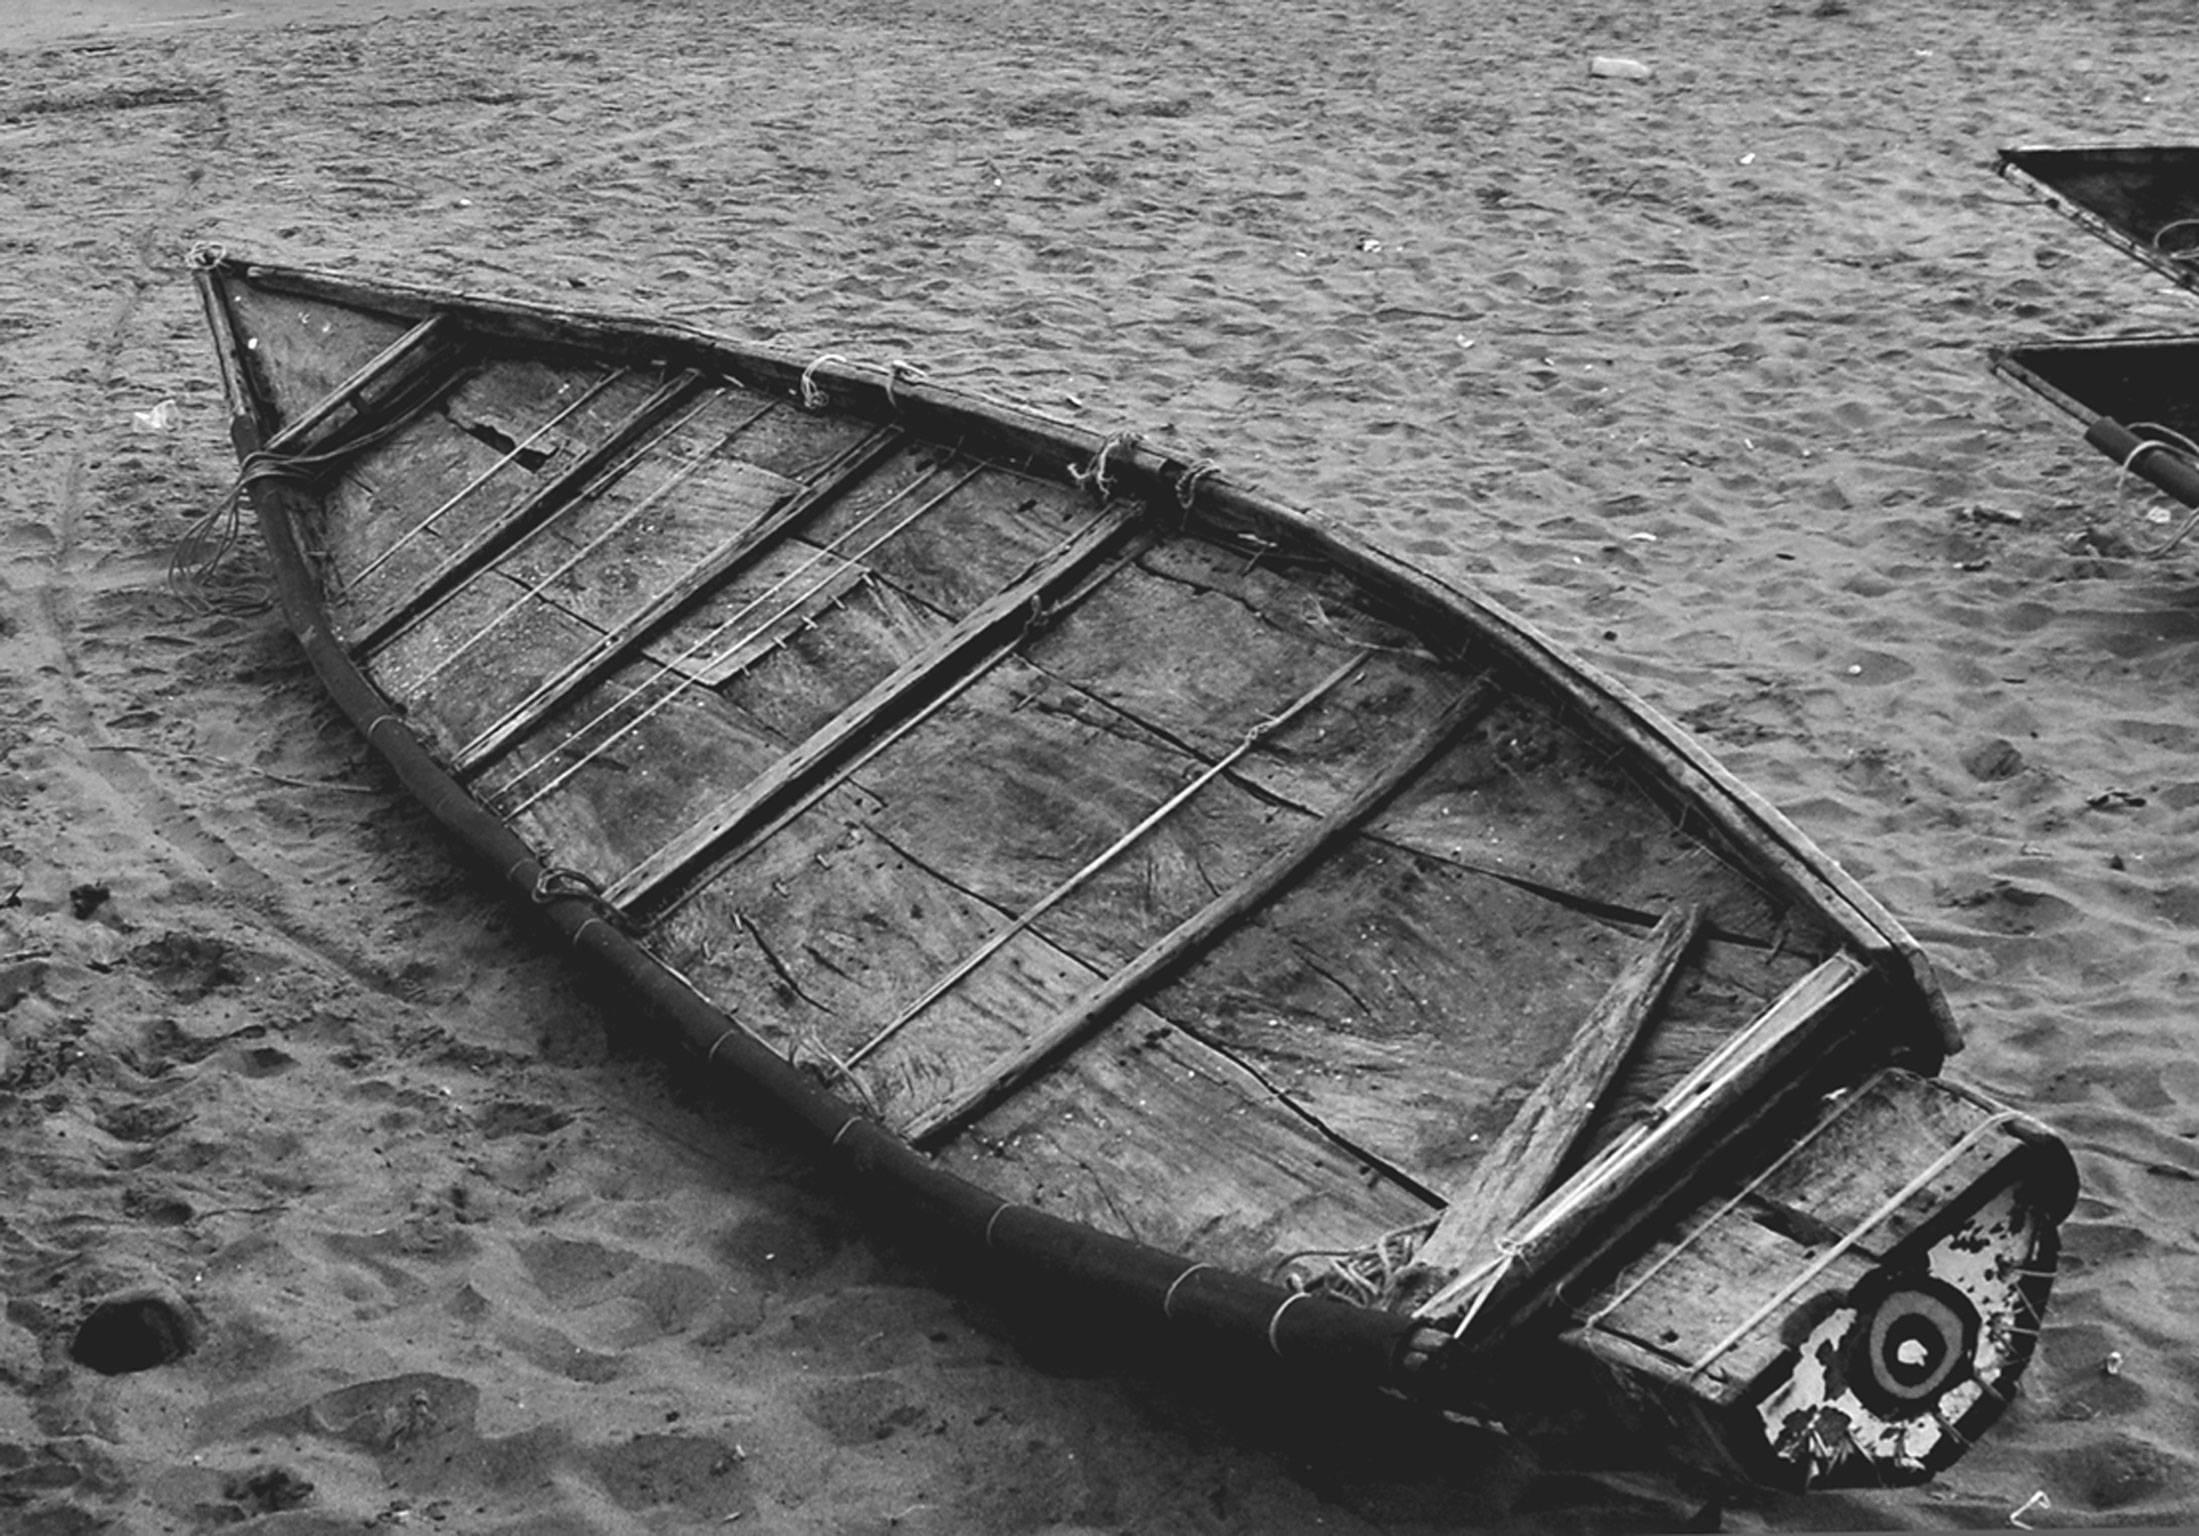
(1531, 794)
(1146, 1132)
(1876, 1139)
(568, 785)
(1008, 609)
(298, 355)
(507, 426)
(1002, 523)
(1703, 1307)
(384, 374)
(1520, 1167)
(623, 634)
(1730, 1078)
(637, 536)
(1204, 926)
(1107, 856)
(1701, 1291)
(508, 526)
(986, 670)
(1401, 1003)
(1406, 1004)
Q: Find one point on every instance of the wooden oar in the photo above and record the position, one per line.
(1523, 1162)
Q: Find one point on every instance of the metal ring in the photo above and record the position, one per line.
(1276, 1321)
(1168, 1300)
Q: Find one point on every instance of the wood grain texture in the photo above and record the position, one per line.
(1523, 1163)
(1188, 938)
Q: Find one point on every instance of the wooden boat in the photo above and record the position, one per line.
(1164, 898)
(2141, 199)
(2135, 397)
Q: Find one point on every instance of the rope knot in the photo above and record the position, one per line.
(557, 883)
(1188, 478)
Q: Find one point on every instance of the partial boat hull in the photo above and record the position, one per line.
(2143, 199)
(2137, 399)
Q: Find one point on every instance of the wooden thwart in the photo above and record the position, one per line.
(1522, 1163)
(1730, 1077)
(936, 666)
(1206, 925)
(416, 349)
(1063, 891)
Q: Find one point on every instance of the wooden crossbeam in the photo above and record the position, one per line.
(408, 354)
(1203, 928)
(907, 686)
(1523, 1161)
(738, 550)
(515, 521)
(1067, 888)
(1625, 1184)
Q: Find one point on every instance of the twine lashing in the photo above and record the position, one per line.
(814, 397)
(1094, 477)
(1187, 481)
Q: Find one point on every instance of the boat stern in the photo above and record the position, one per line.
(1858, 1315)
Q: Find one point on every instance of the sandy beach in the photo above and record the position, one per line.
(1688, 370)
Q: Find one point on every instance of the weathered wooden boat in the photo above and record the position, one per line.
(2137, 399)
(2142, 199)
(1173, 902)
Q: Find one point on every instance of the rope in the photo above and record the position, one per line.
(1854, 1235)
(1369, 1276)
(556, 883)
(205, 254)
(1508, 1252)
(898, 369)
(195, 566)
(1482, 1280)
(1276, 1321)
(813, 394)
(1188, 478)
(1093, 477)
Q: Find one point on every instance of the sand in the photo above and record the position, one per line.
(1689, 370)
